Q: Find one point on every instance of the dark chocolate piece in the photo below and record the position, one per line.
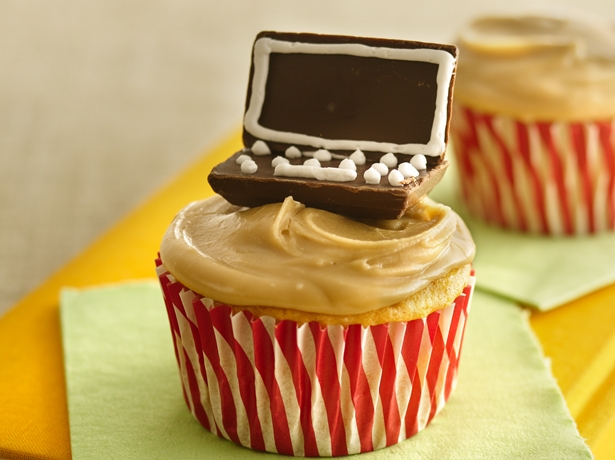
(341, 94)
(365, 98)
(325, 89)
(354, 199)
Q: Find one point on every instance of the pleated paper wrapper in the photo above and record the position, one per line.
(308, 390)
(554, 178)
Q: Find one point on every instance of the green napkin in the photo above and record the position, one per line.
(539, 271)
(125, 399)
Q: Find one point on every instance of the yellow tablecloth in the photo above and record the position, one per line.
(579, 338)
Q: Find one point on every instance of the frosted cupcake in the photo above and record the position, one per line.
(533, 123)
(318, 302)
(303, 332)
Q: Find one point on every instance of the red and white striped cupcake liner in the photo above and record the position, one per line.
(540, 177)
(308, 390)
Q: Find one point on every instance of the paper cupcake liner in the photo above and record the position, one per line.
(538, 177)
(307, 390)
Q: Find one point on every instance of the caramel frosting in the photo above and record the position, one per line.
(288, 255)
(538, 68)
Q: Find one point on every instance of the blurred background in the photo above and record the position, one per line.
(104, 101)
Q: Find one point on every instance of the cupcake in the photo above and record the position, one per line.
(334, 327)
(533, 124)
(303, 332)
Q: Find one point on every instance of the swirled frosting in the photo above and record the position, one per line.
(291, 256)
(537, 68)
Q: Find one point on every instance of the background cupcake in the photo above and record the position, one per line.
(533, 123)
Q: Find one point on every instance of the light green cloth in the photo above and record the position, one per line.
(539, 271)
(125, 399)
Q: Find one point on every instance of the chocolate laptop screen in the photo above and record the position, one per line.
(340, 96)
(344, 96)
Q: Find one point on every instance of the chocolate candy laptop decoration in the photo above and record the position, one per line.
(356, 126)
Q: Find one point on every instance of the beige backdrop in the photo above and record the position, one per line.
(102, 101)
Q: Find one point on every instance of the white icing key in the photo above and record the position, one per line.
(260, 148)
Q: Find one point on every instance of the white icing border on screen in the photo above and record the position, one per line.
(265, 46)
